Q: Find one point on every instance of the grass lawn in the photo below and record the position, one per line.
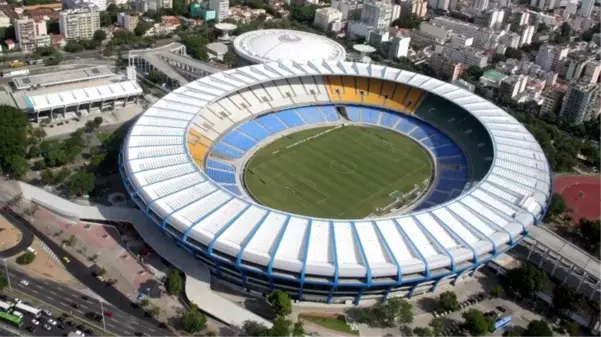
(332, 323)
(345, 173)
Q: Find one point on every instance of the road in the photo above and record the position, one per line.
(84, 275)
(60, 299)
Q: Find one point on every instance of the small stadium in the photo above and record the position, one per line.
(335, 181)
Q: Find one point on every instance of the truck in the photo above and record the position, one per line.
(14, 72)
(16, 64)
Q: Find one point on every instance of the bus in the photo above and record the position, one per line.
(11, 319)
(28, 309)
(5, 306)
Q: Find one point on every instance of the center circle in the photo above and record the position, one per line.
(338, 171)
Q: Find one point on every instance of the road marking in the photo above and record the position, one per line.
(46, 283)
(153, 330)
(34, 291)
(112, 326)
(134, 322)
(52, 292)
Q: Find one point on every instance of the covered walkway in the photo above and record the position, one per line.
(198, 287)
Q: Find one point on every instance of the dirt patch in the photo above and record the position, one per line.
(45, 265)
(10, 236)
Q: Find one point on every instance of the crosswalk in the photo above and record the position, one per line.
(49, 252)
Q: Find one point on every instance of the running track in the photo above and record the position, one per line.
(589, 205)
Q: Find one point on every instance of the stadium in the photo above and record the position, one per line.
(335, 181)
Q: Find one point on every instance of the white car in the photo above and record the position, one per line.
(51, 321)
(47, 312)
(35, 322)
(47, 327)
(17, 313)
(24, 283)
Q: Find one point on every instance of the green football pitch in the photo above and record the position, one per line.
(344, 172)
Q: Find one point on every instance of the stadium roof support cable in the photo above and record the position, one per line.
(305, 255)
(455, 236)
(278, 241)
(363, 255)
(434, 240)
(414, 248)
(224, 228)
(388, 251)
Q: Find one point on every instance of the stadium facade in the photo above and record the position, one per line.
(181, 164)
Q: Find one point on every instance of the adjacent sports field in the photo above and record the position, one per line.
(344, 172)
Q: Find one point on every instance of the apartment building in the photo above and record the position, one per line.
(221, 8)
(419, 8)
(377, 14)
(78, 24)
(580, 102)
(587, 8)
(549, 56)
(480, 35)
(445, 68)
(467, 55)
(552, 101)
(439, 4)
(324, 17)
(31, 34)
(351, 10)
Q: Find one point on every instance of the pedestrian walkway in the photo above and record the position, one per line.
(49, 252)
(198, 286)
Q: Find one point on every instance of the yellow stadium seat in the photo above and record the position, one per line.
(350, 90)
(334, 87)
(396, 102)
(413, 97)
(372, 94)
(198, 152)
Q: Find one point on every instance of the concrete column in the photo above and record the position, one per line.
(51, 115)
(542, 259)
(568, 273)
(581, 280)
(530, 252)
(556, 263)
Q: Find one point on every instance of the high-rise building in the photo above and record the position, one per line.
(587, 8)
(400, 46)
(479, 5)
(130, 21)
(396, 12)
(527, 32)
(351, 10)
(377, 14)
(31, 34)
(221, 8)
(325, 16)
(79, 23)
(439, 4)
(75, 4)
(419, 8)
(579, 102)
(548, 56)
(552, 101)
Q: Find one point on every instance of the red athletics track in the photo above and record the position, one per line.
(571, 186)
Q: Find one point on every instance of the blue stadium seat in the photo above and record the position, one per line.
(290, 118)
(254, 130)
(389, 119)
(239, 140)
(271, 123)
(330, 112)
(455, 174)
(221, 176)
(371, 115)
(353, 113)
(457, 160)
(437, 197)
(449, 184)
(447, 150)
(418, 133)
(227, 151)
(232, 188)
(216, 164)
(407, 125)
(311, 114)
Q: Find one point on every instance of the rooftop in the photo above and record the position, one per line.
(62, 77)
(271, 45)
(495, 75)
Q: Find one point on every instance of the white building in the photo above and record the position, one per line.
(580, 103)
(4, 20)
(31, 34)
(496, 18)
(511, 40)
(78, 24)
(221, 8)
(400, 46)
(396, 12)
(419, 8)
(481, 36)
(527, 34)
(377, 14)
(587, 8)
(324, 17)
(466, 55)
(479, 5)
(351, 10)
(77, 4)
(459, 41)
(429, 34)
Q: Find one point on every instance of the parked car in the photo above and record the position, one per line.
(24, 283)
(47, 312)
(35, 322)
(31, 329)
(501, 309)
(48, 327)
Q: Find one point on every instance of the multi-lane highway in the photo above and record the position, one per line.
(61, 299)
(61, 296)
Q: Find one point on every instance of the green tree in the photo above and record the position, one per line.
(303, 13)
(4, 284)
(527, 280)
(572, 328)
(538, 328)
(412, 22)
(437, 324)
(17, 166)
(590, 231)
(281, 327)
(513, 53)
(25, 258)
(81, 183)
(99, 35)
(196, 46)
(511, 333)
(156, 77)
(72, 240)
(98, 121)
(254, 329)
(298, 329)
(47, 177)
(34, 151)
(565, 299)
(496, 291)
(392, 312)
(73, 46)
(144, 302)
(52, 27)
(447, 301)
(476, 323)
(141, 28)
(193, 320)
(173, 283)
(154, 311)
(280, 302)
(61, 176)
(13, 138)
(39, 165)
(557, 206)
(423, 332)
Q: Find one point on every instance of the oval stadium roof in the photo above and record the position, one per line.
(273, 45)
(480, 222)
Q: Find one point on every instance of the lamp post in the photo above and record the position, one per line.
(103, 315)
(7, 276)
